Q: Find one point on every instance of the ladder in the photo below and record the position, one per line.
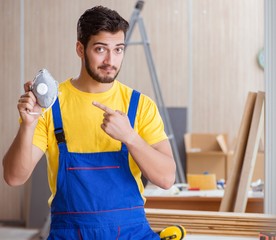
(137, 19)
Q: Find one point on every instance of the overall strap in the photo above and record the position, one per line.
(59, 133)
(132, 109)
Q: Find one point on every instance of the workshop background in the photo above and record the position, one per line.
(205, 55)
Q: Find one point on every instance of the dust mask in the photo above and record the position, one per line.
(45, 89)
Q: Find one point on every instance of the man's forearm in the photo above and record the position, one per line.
(156, 162)
(17, 162)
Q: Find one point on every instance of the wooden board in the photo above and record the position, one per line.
(256, 129)
(228, 201)
(212, 223)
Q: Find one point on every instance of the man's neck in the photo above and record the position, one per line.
(90, 85)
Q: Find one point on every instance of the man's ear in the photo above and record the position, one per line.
(80, 49)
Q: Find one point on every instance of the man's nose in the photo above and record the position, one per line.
(109, 58)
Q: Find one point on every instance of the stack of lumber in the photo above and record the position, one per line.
(212, 223)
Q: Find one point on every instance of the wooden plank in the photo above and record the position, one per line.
(228, 200)
(212, 223)
(256, 129)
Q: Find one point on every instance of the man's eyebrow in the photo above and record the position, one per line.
(105, 44)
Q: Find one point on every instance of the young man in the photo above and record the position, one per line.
(110, 135)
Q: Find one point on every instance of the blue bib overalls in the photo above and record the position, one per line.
(97, 197)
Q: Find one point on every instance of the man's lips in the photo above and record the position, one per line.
(108, 68)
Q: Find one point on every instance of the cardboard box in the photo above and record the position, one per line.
(258, 170)
(206, 152)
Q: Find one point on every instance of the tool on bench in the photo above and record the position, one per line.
(176, 232)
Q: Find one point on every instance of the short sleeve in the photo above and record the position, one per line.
(40, 135)
(150, 123)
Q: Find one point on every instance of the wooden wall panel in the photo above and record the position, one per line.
(166, 26)
(50, 36)
(10, 200)
(49, 42)
(227, 36)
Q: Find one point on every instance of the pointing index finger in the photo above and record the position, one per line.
(103, 107)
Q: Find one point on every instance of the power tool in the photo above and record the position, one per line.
(176, 232)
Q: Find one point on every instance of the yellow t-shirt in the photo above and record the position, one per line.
(81, 124)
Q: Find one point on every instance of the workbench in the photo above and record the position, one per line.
(196, 200)
(254, 204)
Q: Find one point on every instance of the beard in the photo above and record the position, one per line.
(97, 77)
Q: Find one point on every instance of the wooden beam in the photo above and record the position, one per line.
(256, 129)
(212, 223)
(228, 200)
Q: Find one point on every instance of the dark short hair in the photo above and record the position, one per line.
(97, 19)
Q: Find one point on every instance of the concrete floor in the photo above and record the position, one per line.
(9, 233)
